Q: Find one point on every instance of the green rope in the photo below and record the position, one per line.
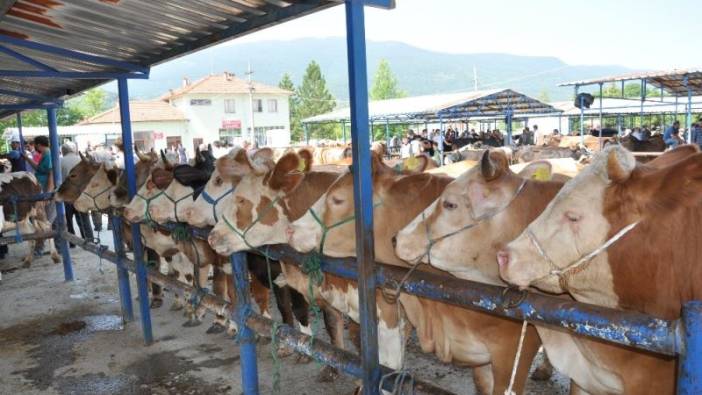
(180, 232)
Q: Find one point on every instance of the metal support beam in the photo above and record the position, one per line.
(142, 283)
(387, 135)
(601, 122)
(363, 193)
(305, 128)
(25, 59)
(688, 114)
(643, 99)
(245, 336)
(441, 141)
(23, 163)
(690, 349)
(508, 126)
(76, 75)
(60, 221)
(125, 291)
(25, 95)
(343, 130)
(67, 53)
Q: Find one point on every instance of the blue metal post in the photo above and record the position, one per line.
(343, 130)
(690, 347)
(582, 117)
(560, 123)
(362, 193)
(387, 133)
(245, 336)
(441, 141)
(508, 126)
(643, 98)
(142, 283)
(60, 222)
(23, 164)
(307, 133)
(125, 291)
(688, 114)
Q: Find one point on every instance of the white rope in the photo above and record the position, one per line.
(509, 390)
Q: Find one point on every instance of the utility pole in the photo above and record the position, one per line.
(475, 78)
(252, 135)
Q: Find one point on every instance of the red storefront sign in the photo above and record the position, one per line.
(231, 124)
(158, 135)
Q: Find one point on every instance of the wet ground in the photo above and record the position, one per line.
(69, 338)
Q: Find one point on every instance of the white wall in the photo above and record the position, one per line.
(95, 134)
(205, 121)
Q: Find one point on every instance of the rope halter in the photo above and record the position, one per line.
(176, 201)
(213, 202)
(96, 196)
(577, 265)
(147, 203)
(431, 242)
(259, 217)
(326, 229)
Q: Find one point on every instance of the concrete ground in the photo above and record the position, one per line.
(68, 338)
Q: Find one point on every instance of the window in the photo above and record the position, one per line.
(258, 105)
(230, 106)
(200, 102)
(272, 105)
(230, 136)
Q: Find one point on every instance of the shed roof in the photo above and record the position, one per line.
(143, 33)
(672, 81)
(448, 106)
(225, 83)
(140, 111)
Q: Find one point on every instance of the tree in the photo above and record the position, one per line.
(630, 90)
(385, 84)
(294, 103)
(314, 99)
(93, 102)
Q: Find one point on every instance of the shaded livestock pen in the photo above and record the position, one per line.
(42, 71)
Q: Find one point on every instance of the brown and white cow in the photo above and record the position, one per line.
(613, 228)
(77, 179)
(277, 195)
(465, 337)
(29, 217)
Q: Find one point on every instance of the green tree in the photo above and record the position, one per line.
(632, 89)
(314, 99)
(294, 104)
(92, 102)
(385, 84)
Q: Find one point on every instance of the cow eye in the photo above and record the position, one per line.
(73, 175)
(572, 217)
(337, 201)
(449, 206)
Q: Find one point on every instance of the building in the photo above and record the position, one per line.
(216, 107)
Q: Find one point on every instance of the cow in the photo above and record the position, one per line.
(96, 194)
(485, 343)
(606, 233)
(531, 153)
(27, 217)
(77, 179)
(295, 186)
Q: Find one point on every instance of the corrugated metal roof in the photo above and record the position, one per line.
(672, 81)
(225, 83)
(137, 31)
(613, 106)
(452, 105)
(140, 111)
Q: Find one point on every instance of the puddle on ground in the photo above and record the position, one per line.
(90, 324)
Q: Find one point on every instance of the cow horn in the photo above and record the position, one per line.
(140, 155)
(163, 157)
(82, 157)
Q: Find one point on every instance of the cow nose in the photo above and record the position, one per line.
(394, 241)
(213, 238)
(503, 258)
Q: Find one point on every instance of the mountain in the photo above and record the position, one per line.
(419, 71)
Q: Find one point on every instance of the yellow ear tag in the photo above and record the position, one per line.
(301, 167)
(542, 174)
(411, 163)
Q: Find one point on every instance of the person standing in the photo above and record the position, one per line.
(697, 133)
(670, 135)
(44, 173)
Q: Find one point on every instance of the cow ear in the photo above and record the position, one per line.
(493, 164)
(263, 155)
(287, 173)
(82, 157)
(415, 164)
(190, 176)
(306, 158)
(161, 178)
(539, 170)
(620, 164)
(237, 163)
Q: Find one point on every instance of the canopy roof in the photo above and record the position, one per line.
(127, 32)
(445, 106)
(672, 82)
(141, 111)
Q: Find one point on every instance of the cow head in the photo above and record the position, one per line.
(156, 182)
(177, 199)
(486, 206)
(603, 201)
(77, 179)
(120, 196)
(255, 214)
(229, 169)
(397, 199)
(96, 195)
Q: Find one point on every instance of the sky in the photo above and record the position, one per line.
(642, 35)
